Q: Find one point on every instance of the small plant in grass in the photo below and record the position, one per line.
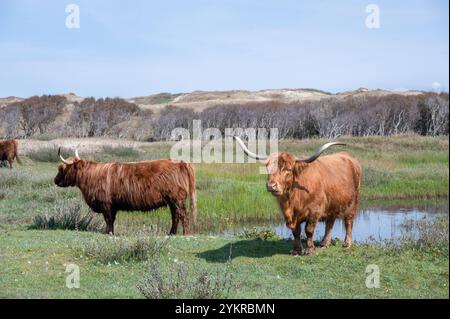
(183, 281)
(70, 216)
(115, 249)
(258, 233)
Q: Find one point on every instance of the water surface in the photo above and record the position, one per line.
(371, 223)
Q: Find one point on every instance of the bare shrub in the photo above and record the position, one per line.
(113, 249)
(172, 117)
(33, 115)
(329, 117)
(93, 117)
(183, 281)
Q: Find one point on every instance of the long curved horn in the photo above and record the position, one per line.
(62, 158)
(247, 151)
(76, 155)
(319, 151)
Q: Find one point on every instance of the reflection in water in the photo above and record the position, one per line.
(369, 224)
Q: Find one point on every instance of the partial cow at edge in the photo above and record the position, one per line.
(141, 186)
(312, 190)
(8, 152)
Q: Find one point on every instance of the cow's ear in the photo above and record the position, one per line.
(286, 161)
(299, 166)
(77, 164)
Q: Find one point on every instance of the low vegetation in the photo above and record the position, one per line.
(33, 267)
(115, 249)
(69, 216)
(47, 154)
(426, 235)
(258, 233)
(140, 262)
(185, 281)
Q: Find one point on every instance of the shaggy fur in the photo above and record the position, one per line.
(142, 186)
(323, 190)
(8, 152)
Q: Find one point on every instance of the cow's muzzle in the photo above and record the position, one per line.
(272, 188)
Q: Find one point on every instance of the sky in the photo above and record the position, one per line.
(135, 48)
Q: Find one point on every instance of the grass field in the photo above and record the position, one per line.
(400, 169)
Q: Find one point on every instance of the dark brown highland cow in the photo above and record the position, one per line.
(8, 152)
(142, 186)
(314, 189)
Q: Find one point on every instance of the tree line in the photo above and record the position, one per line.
(54, 116)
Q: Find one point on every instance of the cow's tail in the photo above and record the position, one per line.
(192, 195)
(16, 153)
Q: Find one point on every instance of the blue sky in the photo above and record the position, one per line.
(132, 48)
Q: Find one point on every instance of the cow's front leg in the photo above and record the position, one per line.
(297, 240)
(326, 241)
(309, 230)
(294, 226)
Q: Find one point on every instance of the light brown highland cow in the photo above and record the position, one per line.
(314, 189)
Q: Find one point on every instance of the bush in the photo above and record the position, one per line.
(113, 249)
(372, 177)
(186, 282)
(258, 233)
(430, 235)
(98, 117)
(10, 178)
(69, 216)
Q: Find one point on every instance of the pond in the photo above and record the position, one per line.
(371, 223)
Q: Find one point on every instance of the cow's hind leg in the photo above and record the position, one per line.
(175, 219)
(110, 217)
(348, 231)
(349, 218)
(10, 161)
(326, 241)
(184, 216)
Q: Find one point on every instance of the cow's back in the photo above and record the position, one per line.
(145, 185)
(337, 177)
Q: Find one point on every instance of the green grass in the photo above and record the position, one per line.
(32, 264)
(399, 170)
